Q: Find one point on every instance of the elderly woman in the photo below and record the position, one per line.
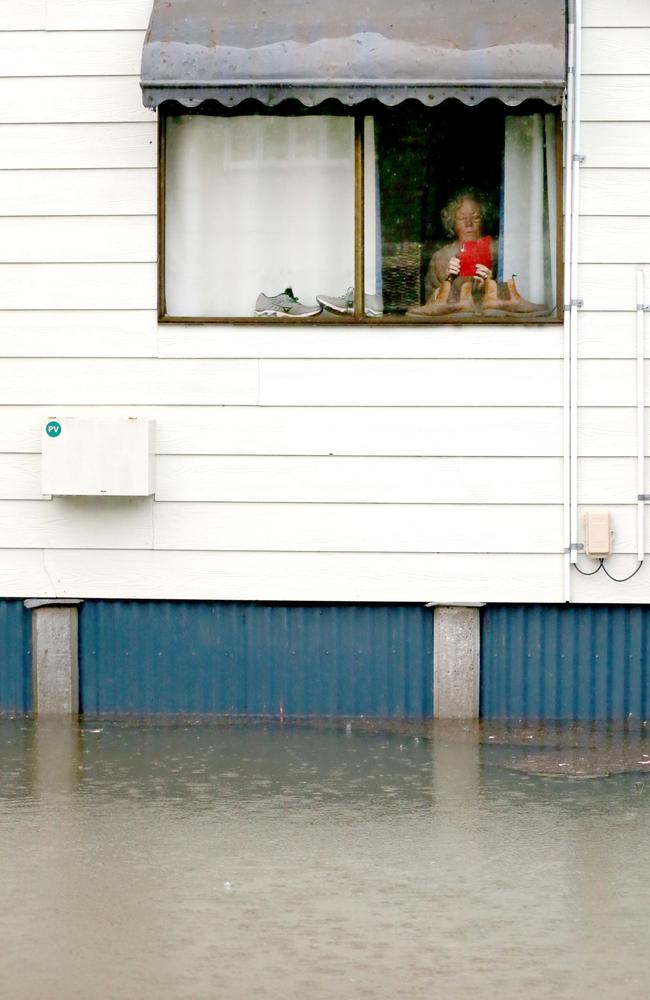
(470, 254)
(460, 277)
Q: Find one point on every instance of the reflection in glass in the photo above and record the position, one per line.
(464, 212)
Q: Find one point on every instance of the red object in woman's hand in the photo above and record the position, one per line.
(475, 252)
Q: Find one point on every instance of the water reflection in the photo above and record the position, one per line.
(265, 861)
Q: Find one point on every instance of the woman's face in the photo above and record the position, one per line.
(467, 221)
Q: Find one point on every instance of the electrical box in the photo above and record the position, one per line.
(598, 534)
(84, 457)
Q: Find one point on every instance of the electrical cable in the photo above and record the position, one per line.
(601, 565)
(616, 579)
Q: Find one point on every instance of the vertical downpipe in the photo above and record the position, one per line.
(566, 351)
(359, 218)
(640, 412)
(575, 229)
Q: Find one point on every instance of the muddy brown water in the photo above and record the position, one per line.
(285, 861)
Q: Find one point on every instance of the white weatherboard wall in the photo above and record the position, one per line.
(614, 243)
(403, 464)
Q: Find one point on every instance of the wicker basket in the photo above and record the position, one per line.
(402, 279)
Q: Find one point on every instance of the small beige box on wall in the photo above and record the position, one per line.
(598, 534)
(83, 457)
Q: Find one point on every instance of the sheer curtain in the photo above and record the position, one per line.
(372, 214)
(256, 204)
(528, 236)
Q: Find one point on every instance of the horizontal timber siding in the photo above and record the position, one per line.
(614, 236)
(622, 14)
(285, 576)
(390, 463)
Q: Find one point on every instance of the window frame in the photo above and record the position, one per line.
(359, 317)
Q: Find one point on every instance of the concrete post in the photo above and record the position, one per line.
(456, 661)
(55, 657)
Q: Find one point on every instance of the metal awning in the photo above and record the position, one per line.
(311, 50)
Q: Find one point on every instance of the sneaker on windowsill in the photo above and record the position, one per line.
(344, 304)
(284, 304)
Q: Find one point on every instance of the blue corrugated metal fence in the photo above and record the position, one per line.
(565, 662)
(538, 662)
(144, 657)
(15, 658)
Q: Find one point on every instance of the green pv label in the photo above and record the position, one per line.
(53, 428)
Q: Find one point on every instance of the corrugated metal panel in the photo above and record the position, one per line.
(165, 657)
(565, 662)
(15, 658)
(429, 50)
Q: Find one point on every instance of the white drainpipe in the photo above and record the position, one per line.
(567, 339)
(576, 160)
(640, 412)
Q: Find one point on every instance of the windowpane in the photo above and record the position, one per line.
(460, 213)
(256, 205)
(465, 199)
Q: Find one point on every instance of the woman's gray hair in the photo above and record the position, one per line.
(448, 214)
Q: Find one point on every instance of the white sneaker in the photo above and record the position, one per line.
(284, 304)
(344, 304)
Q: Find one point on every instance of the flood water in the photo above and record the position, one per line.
(259, 861)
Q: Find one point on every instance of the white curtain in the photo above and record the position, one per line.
(528, 237)
(257, 204)
(372, 216)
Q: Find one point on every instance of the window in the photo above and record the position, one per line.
(378, 214)
(332, 163)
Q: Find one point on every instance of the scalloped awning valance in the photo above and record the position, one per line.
(312, 50)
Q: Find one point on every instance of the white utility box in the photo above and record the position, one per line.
(84, 457)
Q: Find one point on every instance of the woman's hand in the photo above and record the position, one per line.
(482, 272)
(453, 267)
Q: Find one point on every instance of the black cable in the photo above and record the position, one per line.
(601, 565)
(623, 579)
